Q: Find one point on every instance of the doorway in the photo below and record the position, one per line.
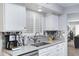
(73, 31)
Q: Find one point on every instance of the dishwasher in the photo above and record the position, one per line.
(32, 53)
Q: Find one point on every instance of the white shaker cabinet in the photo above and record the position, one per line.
(55, 50)
(14, 17)
(51, 22)
(39, 22)
(29, 21)
(35, 21)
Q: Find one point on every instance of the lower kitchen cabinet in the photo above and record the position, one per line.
(58, 49)
(55, 50)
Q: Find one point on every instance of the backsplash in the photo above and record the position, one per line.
(54, 34)
(28, 38)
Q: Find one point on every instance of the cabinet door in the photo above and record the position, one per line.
(51, 22)
(39, 19)
(62, 49)
(34, 22)
(55, 50)
(29, 21)
(49, 51)
(15, 17)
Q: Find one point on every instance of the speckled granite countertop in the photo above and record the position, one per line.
(26, 49)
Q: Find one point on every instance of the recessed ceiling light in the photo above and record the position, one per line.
(40, 10)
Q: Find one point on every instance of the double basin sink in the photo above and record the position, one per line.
(39, 44)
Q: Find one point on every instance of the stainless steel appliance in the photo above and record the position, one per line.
(10, 41)
(13, 40)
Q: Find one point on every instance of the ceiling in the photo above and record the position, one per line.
(36, 7)
(65, 5)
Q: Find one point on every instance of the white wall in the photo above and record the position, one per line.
(72, 12)
(1, 26)
(1, 16)
(73, 17)
(77, 30)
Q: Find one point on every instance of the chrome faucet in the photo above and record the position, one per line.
(35, 37)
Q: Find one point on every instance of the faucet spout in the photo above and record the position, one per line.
(35, 37)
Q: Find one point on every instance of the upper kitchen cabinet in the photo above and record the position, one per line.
(51, 14)
(30, 21)
(51, 22)
(14, 18)
(35, 21)
(39, 22)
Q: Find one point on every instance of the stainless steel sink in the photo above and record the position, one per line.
(39, 44)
